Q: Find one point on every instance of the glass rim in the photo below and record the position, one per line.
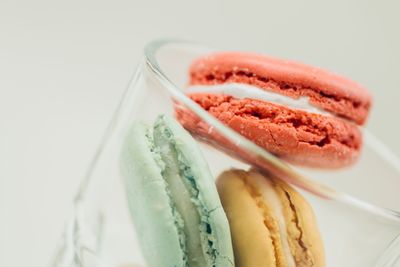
(293, 177)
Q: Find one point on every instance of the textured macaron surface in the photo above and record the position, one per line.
(324, 89)
(302, 114)
(271, 224)
(175, 207)
(309, 139)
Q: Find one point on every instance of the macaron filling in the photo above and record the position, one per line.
(186, 197)
(241, 91)
(326, 90)
(271, 197)
(177, 216)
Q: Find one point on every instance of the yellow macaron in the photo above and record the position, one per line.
(271, 224)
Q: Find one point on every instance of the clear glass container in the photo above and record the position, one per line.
(357, 208)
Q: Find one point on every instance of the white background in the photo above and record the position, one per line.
(64, 64)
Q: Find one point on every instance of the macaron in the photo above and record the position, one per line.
(173, 200)
(305, 115)
(271, 224)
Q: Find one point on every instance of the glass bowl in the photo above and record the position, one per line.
(357, 209)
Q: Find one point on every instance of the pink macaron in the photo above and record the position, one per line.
(305, 115)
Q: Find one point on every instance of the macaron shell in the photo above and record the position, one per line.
(325, 89)
(301, 225)
(301, 138)
(252, 241)
(149, 203)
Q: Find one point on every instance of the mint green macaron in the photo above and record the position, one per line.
(172, 197)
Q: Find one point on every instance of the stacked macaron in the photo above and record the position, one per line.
(300, 113)
(181, 222)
